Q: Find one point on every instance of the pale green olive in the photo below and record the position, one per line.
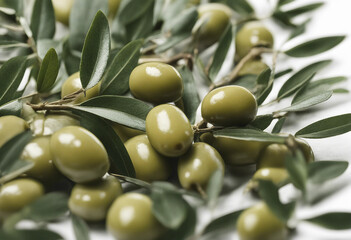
(62, 10)
(229, 106)
(259, 223)
(156, 83)
(130, 218)
(198, 164)
(113, 6)
(252, 67)
(79, 154)
(91, 201)
(169, 130)
(73, 84)
(16, 194)
(149, 165)
(124, 132)
(10, 126)
(276, 175)
(38, 152)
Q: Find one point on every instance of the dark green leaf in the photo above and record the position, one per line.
(30, 234)
(282, 73)
(48, 71)
(315, 46)
(71, 59)
(247, 81)
(221, 52)
(283, 2)
(44, 45)
(300, 78)
(18, 168)
(319, 172)
(264, 85)
(43, 20)
(141, 27)
(226, 222)
(262, 121)
(17, 5)
(80, 228)
(11, 108)
(95, 53)
(119, 158)
(116, 78)
(182, 23)
(133, 10)
(269, 193)
(300, 29)
(325, 82)
(171, 42)
(283, 18)
(332, 220)
(301, 10)
(241, 6)
(11, 74)
(296, 166)
(214, 187)
(328, 127)
(249, 134)
(279, 125)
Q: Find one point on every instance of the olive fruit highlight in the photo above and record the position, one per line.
(130, 218)
(198, 164)
(169, 130)
(91, 201)
(149, 165)
(156, 83)
(10, 126)
(79, 154)
(258, 223)
(229, 106)
(16, 194)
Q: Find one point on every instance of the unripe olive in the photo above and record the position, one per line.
(252, 34)
(91, 201)
(38, 152)
(233, 151)
(124, 132)
(229, 106)
(113, 6)
(79, 154)
(259, 223)
(169, 130)
(156, 83)
(252, 67)
(10, 126)
(62, 10)
(276, 175)
(16, 194)
(149, 165)
(130, 218)
(73, 84)
(198, 164)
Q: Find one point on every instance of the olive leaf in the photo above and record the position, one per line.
(328, 127)
(17, 169)
(262, 121)
(11, 108)
(279, 125)
(223, 223)
(171, 42)
(182, 23)
(247, 81)
(322, 171)
(332, 220)
(264, 85)
(80, 228)
(30, 234)
(132, 10)
(44, 45)
(283, 2)
(116, 78)
(214, 187)
(240, 6)
(43, 20)
(304, 9)
(295, 164)
(283, 18)
(249, 134)
(48, 71)
(95, 52)
(17, 5)
(282, 73)
(300, 29)
(71, 58)
(314, 47)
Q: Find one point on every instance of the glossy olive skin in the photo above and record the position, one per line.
(92, 201)
(233, 151)
(198, 164)
(16, 194)
(149, 165)
(11, 126)
(125, 133)
(252, 67)
(156, 83)
(229, 106)
(38, 152)
(130, 218)
(62, 10)
(79, 154)
(214, 18)
(276, 175)
(73, 84)
(250, 35)
(169, 130)
(259, 223)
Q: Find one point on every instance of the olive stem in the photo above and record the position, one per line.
(45, 106)
(201, 191)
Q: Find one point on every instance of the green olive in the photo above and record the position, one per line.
(276, 175)
(250, 35)
(16, 194)
(259, 223)
(73, 84)
(198, 164)
(62, 10)
(235, 152)
(130, 218)
(252, 67)
(91, 201)
(113, 6)
(156, 83)
(149, 165)
(79, 154)
(10, 126)
(124, 132)
(38, 152)
(214, 19)
(169, 130)
(229, 106)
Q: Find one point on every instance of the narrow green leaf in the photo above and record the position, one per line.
(119, 157)
(283, 2)
(279, 125)
(262, 121)
(182, 23)
(116, 78)
(80, 228)
(214, 187)
(11, 108)
(71, 59)
(249, 134)
(332, 220)
(223, 223)
(95, 52)
(247, 81)
(43, 20)
(282, 73)
(283, 18)
(300, 29)
(326, 81)
(171, 42)
(241, 6)
(30, 234)
(264, 85)
(17, 169)
(304, 9)
(322, 171)
(221, 52)
(315, 46)
(44, 45)
(328, 127)
(296, 166)
(17, 5)
(300, 78)
(133, 10)
(341, 90)
(48, 71)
